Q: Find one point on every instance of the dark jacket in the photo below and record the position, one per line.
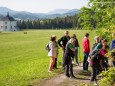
(67, 55)
(63, 41)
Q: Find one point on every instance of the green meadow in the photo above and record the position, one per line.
(23, 58)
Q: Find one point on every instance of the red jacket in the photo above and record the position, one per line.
(85, 45)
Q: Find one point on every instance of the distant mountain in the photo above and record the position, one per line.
(28, 15)
(4, 11)
(59, 11)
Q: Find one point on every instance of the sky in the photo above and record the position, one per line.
(42, 6)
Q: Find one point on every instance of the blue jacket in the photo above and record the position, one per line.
(112, 45)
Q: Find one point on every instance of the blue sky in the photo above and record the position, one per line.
(42, 6)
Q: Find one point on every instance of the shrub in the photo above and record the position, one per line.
(108, 77)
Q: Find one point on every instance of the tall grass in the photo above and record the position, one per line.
(23, 58)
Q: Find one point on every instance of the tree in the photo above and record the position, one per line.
(99, 13)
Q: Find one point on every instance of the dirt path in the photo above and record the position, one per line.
(61, 80)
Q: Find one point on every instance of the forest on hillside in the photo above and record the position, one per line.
(98, 14)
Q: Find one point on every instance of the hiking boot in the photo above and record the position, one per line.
(67, 75)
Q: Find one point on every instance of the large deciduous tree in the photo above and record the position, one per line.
(98, 14)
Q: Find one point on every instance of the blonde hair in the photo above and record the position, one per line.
(72, 41)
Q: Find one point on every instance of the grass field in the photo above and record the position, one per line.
(23, 58)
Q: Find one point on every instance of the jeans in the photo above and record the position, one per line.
(85, 62)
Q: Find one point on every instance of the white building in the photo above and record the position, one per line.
(8, 24)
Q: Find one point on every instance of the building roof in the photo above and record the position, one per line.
(7, 18)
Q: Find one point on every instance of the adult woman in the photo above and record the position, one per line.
(96, 39)
(53, 52)
(76, 48)
(96, 61)
(67, 62)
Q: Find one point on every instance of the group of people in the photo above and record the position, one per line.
(95, 57)
(69, 47)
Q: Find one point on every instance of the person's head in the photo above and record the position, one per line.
(104, 41)
(73, 36)
(72, 41)
(53, 38)
(96, 39)
(86, 34)
(66, 33)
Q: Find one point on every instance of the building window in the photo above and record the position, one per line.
(1, 26)
(5, 22)
(5, 27)
(11, 27)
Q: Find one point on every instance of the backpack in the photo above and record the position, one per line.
(94, 55)
(47, 47)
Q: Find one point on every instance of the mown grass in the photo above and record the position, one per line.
(23, 58)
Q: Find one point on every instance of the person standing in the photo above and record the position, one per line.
(63, 41)
(52, 52)
(76, 48)
(86, 50)
(96, 61)
(67, 60)
(55, 64)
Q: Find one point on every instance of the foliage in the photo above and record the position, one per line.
(108, 77)
(98, 14)
(106, 32)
